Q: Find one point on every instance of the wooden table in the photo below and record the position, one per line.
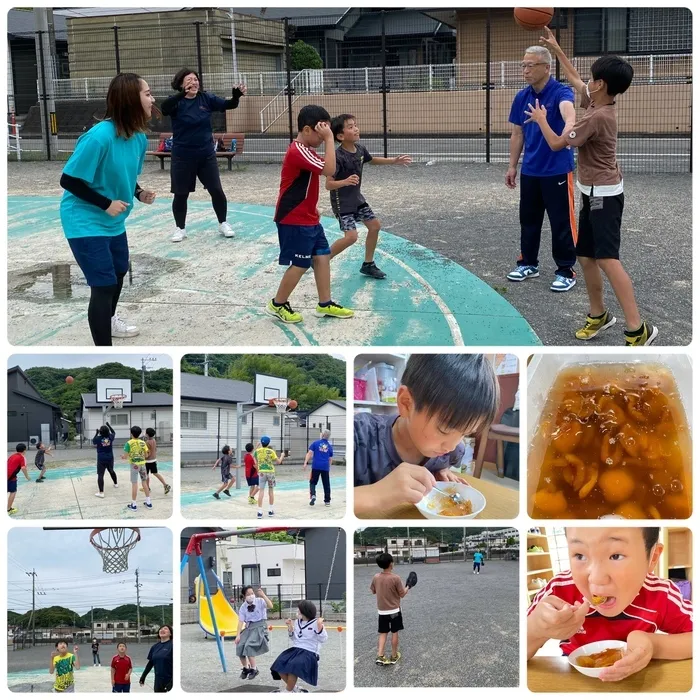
(553, 674)
(501, 503)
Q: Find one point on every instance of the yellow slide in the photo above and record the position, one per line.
(226, 617)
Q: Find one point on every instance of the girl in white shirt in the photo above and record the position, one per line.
(307, 633)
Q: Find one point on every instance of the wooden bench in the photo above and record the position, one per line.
(228, 138)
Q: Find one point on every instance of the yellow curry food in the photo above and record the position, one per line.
(445, 506)
(613, 439)
(602, 659)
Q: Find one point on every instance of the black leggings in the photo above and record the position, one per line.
(218, 200)
(101, 468)
(326, 479)
(103, 305)
(162, 685)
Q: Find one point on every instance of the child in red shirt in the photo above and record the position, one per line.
(303, 242)
(251, 473)
(15, 463)
(121, 670)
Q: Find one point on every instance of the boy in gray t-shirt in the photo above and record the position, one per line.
(225, 463)
(40, 461)
(347, 201)
(399, 458)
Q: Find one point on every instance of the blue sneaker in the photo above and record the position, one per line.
(131, 506)
(563, 284)
(524, 272)
(148, 505)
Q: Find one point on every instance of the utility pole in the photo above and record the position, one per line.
(144, 366)
(206, 365)
(138, 609)
(464, 543)
(32, 573)
(92, 621)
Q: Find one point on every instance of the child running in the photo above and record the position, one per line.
(100, 183)
(63, 663)
(151, 462)
(266, 458)
(303, 242)
(104, 443)
(307, 633)
(15, 463)
(251, 473)
(321, 454)
(40, 460)
(224, 463)
(251, 636)
(121, 668)
(136, 451)
(399, 457)
(347, 200)
(390, 590)
(601, 185)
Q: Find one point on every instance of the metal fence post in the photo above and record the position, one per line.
(116, 49)
(488, 86)
(218, 434)
(288, 61)
(47, 130)
(199, 53)
(384, 87)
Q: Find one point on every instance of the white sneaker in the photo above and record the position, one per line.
(120, 329)
(100, 495)
(226, 230)
(179, 234)
(115, 485)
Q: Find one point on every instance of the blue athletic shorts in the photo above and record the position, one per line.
(12, 485)
(253, 480)
(299, 244)
(101, 258)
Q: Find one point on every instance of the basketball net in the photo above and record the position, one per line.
(281, 405)
(117, 400)
(113, 545)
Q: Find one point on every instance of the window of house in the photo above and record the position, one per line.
(196, 420)
(275, 420)
(153, 415)
(559, 550)
(251, 574)
(598, 30)
(119, 419)
(274, 572)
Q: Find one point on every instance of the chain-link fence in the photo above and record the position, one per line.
(435, 84)
(121, 420)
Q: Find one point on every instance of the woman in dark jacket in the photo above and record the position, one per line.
(160, 658)
(194, 150)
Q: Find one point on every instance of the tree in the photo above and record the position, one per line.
(510, 541)
(305, 56)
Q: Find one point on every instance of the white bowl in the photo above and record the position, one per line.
(468, 493)
(594, 648)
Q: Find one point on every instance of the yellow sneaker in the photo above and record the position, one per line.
(595, 325)
(382, 661)
(646, 337)
(284, 313)
(335, 310)
(393, 659)
(12, 511)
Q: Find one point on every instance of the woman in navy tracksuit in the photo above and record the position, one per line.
(194, 150)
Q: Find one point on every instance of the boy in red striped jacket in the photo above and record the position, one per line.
(303, 242)
(611, 592)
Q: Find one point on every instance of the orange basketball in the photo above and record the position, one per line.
(533, 18)
(69, 380)
(293, 404)
(340, 629)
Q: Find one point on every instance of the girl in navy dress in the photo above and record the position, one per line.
(301, 659)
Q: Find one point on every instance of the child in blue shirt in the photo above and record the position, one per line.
(321, 454)
(104, 442)
(100, 183)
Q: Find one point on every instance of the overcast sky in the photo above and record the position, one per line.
(69, 570)
(25, 361)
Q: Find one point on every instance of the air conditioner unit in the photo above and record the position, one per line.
(34, 440)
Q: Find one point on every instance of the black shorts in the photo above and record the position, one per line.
(300, 244)
(599, 223)
(151, 467)
(390, 623)
(185, 171)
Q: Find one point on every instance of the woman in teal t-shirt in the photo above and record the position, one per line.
(100, 183)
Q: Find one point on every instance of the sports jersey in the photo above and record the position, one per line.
(122, 667)
(64, 671)
(297, 203)
(539, 159)
(250, 470)
(323, 451)
(347, 200)
(15, 463)
(658, 607)
(266, 457)
(137, 450)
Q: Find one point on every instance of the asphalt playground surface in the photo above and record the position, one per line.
(28, 669)
(202, 672)
(452, 235)
(197, 484)
(461, 629)
(68, 493)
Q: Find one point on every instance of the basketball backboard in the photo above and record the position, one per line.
(268, 387)
(110, 387)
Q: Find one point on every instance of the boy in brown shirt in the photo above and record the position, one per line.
(600, 181)
(389, 589)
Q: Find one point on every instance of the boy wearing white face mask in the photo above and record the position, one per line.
(251, 637)
(600, 181)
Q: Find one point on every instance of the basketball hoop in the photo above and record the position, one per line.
(113, 545)
(280, 405)
(117, 400)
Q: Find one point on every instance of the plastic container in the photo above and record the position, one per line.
(359, 389)
(543, 370)
(386, 381)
